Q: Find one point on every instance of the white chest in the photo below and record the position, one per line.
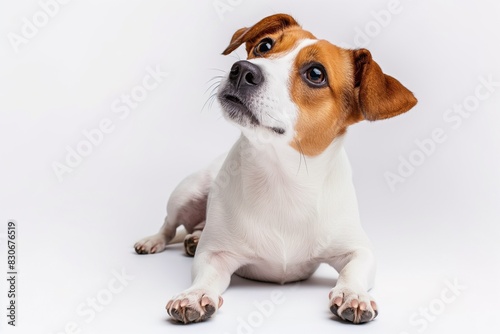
(279, 216)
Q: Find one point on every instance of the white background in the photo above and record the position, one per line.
(440, 225)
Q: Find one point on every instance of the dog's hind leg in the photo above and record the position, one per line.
(186, 210)
(157, 242)
(187, 207)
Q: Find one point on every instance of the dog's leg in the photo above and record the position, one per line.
(189, 213)
(187, 209)
(349, 299)
(187, 206)
(157, 242)
(211, 275)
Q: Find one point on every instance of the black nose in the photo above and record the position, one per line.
(244, 73)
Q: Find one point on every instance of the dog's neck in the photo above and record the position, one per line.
(280, 160)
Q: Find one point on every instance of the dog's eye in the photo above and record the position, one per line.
(263, 47)
(315, 75)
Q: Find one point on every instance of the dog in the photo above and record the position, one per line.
(282, 201)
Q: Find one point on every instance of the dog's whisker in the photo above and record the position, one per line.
(211, 97)
(216, 84)
(301, 155)
(259, 117)
(277, 120)
(236, 56)
(217, 69)
(212, 102)
(214, 90)
(204, 104)
(214, 98)
(217, 77)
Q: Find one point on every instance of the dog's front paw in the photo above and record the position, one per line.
(150, 245)
(193, 306)
(354, 306)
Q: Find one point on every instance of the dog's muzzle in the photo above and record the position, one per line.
(244, 81)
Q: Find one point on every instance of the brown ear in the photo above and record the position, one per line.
(380, 95)
(267, 25)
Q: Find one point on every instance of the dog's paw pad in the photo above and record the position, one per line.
(367, 316)
(334, 308)
(192, 307)
(191, 314)
(357, 308)
(349, 314)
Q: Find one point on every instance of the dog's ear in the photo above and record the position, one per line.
(379, 95)
(267, 25)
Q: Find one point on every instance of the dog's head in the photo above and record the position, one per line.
(302, 90)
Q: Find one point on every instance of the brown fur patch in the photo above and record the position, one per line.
(357, 88)
(285, 41)
(380, 96)
(323, 112)
(268, 25)
(281, 28)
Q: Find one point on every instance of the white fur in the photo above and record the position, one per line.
(272, 104)
(275, 215)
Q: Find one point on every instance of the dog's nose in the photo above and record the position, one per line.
(244, 73)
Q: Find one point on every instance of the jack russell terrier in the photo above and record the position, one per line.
(282, 201)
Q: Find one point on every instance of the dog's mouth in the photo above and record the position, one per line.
(233, 99)
(238, 111)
